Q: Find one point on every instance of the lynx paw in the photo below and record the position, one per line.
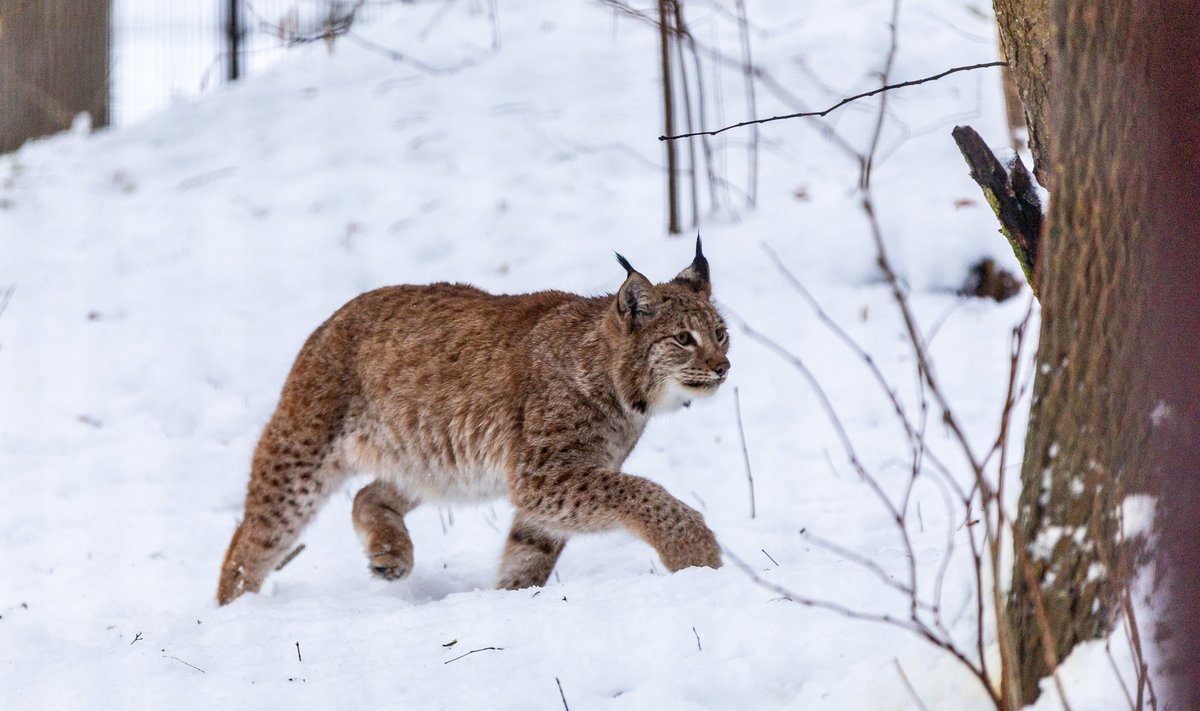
(695, 547)
(391, 562)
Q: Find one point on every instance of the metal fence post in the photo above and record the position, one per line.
(233, 37)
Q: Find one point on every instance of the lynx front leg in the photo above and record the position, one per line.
(596, 499)
(378, 514)
(529, 555)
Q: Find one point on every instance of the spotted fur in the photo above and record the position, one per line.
(448, 393)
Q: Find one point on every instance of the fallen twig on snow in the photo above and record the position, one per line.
(193, 666)
(289, 557)
(473, 651)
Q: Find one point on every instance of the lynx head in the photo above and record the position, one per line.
(668, 339)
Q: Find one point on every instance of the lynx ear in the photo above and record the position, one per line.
(696, 274)
(634, 298)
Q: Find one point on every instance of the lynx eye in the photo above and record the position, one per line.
(684, 338)
(722, 335)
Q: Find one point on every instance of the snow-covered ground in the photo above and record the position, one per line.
(166, 274)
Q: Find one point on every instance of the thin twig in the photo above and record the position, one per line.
(860, 560)
(402, 58)
(751, 101)
(561, 695)
(914, 626)
(681, 35)
(928, 382)
(908, 685)
(698, 647)
(1120, 679)
(737, 408)
(772, 85)
(437, 18)
(5, 297)
(298, 657)
(844, 437)
(289, 557)
(868, 159)
(1043, 620)
(481, 649)
(838, 105)
(193, 666)
(844, 337)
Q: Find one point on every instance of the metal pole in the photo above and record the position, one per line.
(233, 35)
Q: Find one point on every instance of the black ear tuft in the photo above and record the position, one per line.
(696, 275)
(700, 261)
(625, 263)
(636, 296)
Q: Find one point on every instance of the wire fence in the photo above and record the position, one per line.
(163, 50)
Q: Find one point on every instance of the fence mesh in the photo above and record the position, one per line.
(166, 49)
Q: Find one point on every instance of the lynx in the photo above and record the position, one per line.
(448, 393)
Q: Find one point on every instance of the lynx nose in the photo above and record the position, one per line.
(721, 367)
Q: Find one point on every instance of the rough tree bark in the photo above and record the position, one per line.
(1172, 112)
(1026, 34)
(1123, 211)
(54, 64)
(1025, 38)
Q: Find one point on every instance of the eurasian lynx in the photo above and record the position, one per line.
(448, 393)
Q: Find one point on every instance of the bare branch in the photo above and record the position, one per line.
(908, 685)
(751, 101)
(840, 104)
(737, 408)
(847, 339)
(341, 25)
(1010, 192)
(859, 559)
(1039, 608)
(764, 78)
(912, 625)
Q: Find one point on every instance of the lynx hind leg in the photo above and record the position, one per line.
(529, 555)
(378, 514)
(289, 481)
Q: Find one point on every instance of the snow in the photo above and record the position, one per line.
(1137, 515)
(166, 273)
(1098, 675)
(1047, 539)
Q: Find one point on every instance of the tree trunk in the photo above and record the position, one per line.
(1172, 147)
(1123, 213)
(665, 27)
(1025, 39)
(54, 60)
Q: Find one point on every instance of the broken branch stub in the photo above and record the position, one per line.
(1012, 195)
